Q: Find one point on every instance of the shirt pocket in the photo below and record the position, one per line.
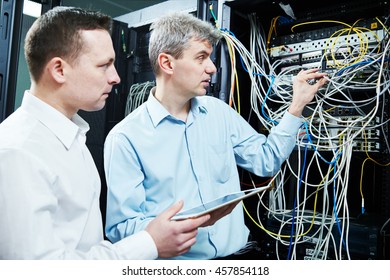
(220, 160)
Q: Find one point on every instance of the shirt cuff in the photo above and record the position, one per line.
(139, 246)
(290, 123)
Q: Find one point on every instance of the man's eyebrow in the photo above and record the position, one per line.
(204, 52)
(110, 60)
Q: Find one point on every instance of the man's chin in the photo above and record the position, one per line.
(202, 92)
(97, 107)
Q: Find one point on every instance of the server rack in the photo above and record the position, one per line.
(326, 210)
(10, 31)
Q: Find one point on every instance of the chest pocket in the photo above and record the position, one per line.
(219, 162)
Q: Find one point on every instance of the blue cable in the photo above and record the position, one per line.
(295, 203)
(355, 65)
(260, 75)
(265, 98)
(334, 205)
(315, 149)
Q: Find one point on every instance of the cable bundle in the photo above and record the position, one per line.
(344, 117)
(137, 95)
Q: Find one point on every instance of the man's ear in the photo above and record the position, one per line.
(56, 67)
(166, 63)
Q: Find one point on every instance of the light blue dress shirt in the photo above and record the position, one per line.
(153, 159)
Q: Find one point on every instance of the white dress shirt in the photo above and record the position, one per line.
(50, 188)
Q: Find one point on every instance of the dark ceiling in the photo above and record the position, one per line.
(113, 8)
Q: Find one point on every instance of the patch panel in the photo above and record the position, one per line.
(363, 242)
(323, 38)
(358, 145)
(330, 64)
(310, 56)
(304, 58)
(343, 42)
(334, 128)
(369, 146)
(343, 120)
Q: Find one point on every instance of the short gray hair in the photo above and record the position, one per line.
(171, 33)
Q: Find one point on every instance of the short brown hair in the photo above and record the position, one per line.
(57, 33)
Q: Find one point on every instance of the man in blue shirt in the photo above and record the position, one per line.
(184, 145)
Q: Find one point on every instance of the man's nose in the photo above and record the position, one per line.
(114, 77)
(210, 68)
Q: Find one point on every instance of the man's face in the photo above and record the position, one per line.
(93, 74)
(193, 71)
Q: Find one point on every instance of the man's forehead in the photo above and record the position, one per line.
(200, 45)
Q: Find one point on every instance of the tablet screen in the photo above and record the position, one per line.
(216, 203)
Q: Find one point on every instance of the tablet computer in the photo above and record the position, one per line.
(217, 203)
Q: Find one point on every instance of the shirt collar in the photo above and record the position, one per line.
(198, 106)
(65, 129)
(158, 112)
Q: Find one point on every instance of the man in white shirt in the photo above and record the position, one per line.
(49, 185)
